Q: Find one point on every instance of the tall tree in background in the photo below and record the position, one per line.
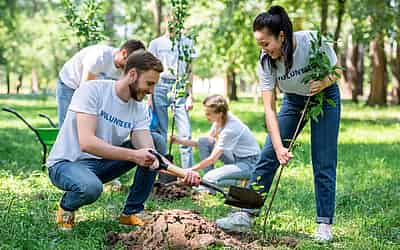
(157, 12)
(8, 14)
(378, 92)
(324, 16)
(372, 26)
(340, 10)
(395, 67)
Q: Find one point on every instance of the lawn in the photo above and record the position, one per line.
(368, 184)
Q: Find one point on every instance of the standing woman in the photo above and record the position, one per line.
(284, 62)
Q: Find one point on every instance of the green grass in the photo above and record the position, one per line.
(368, 184)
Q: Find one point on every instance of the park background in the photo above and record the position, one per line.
(37, 37)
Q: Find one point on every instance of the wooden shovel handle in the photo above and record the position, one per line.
(179, 172)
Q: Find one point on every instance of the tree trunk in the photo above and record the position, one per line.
(157, 13)
(324, 16)
(354, 71)
(231, 87)
(360, 69)
(35, 82)
(395, 66)
(19, 83)
(339, 16)
(378, 91)
(343, 59)
(8, 81)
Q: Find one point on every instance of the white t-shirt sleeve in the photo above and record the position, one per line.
(228, 139)
(142, 122)
(153, 48)
(267, 79)
(85, 99)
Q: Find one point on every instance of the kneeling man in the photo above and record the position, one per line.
(88, 151)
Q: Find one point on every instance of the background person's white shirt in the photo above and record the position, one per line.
(161, 47)
(96, 59)
(236, 137)
(115, 119)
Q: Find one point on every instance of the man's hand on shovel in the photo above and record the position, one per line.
(189, 176)
(192, 178)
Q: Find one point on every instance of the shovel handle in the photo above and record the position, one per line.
(181, 173)
(176, 171)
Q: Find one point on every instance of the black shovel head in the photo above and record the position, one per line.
(243, 198)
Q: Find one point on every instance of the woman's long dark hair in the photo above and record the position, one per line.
(274, 21)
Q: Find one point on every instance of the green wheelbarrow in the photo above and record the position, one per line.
(46, 136)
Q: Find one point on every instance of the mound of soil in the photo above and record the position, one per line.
(177, 229)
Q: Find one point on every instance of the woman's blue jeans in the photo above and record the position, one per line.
(324, 144)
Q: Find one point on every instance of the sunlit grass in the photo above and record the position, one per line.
(367, 200)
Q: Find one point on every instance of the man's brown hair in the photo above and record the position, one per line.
(132, 45)
(143, 60)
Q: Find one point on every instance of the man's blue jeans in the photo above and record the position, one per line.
(83, 181)
(324, 143)
(63, 96)
(161, 103)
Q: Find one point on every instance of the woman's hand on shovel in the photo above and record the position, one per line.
(192, 178)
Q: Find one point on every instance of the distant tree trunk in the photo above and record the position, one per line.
(395, 66)
(19, 82)
(343, 59)
(354, 71)
(157, 12)
(360, 70)
(339, 16)
(8, 81)
(378, 91)
(35, 82)
(324, 16)
(231, 87)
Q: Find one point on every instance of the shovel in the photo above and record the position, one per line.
(236, 196)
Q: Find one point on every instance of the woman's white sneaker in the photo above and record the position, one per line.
(236, 222)
(324, 232)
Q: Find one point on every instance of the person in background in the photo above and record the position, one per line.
(229, 139)
(161, 100)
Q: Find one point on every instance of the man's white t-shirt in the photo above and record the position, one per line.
(161, 47)
(291, 82)
(116, 119)
(96, 59)
(235, 137)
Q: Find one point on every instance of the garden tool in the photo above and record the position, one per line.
(236, 196)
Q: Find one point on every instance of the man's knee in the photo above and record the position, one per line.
(91, 191)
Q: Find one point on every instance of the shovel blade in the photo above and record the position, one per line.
(244, 198)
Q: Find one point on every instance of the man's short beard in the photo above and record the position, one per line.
(134, 90)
